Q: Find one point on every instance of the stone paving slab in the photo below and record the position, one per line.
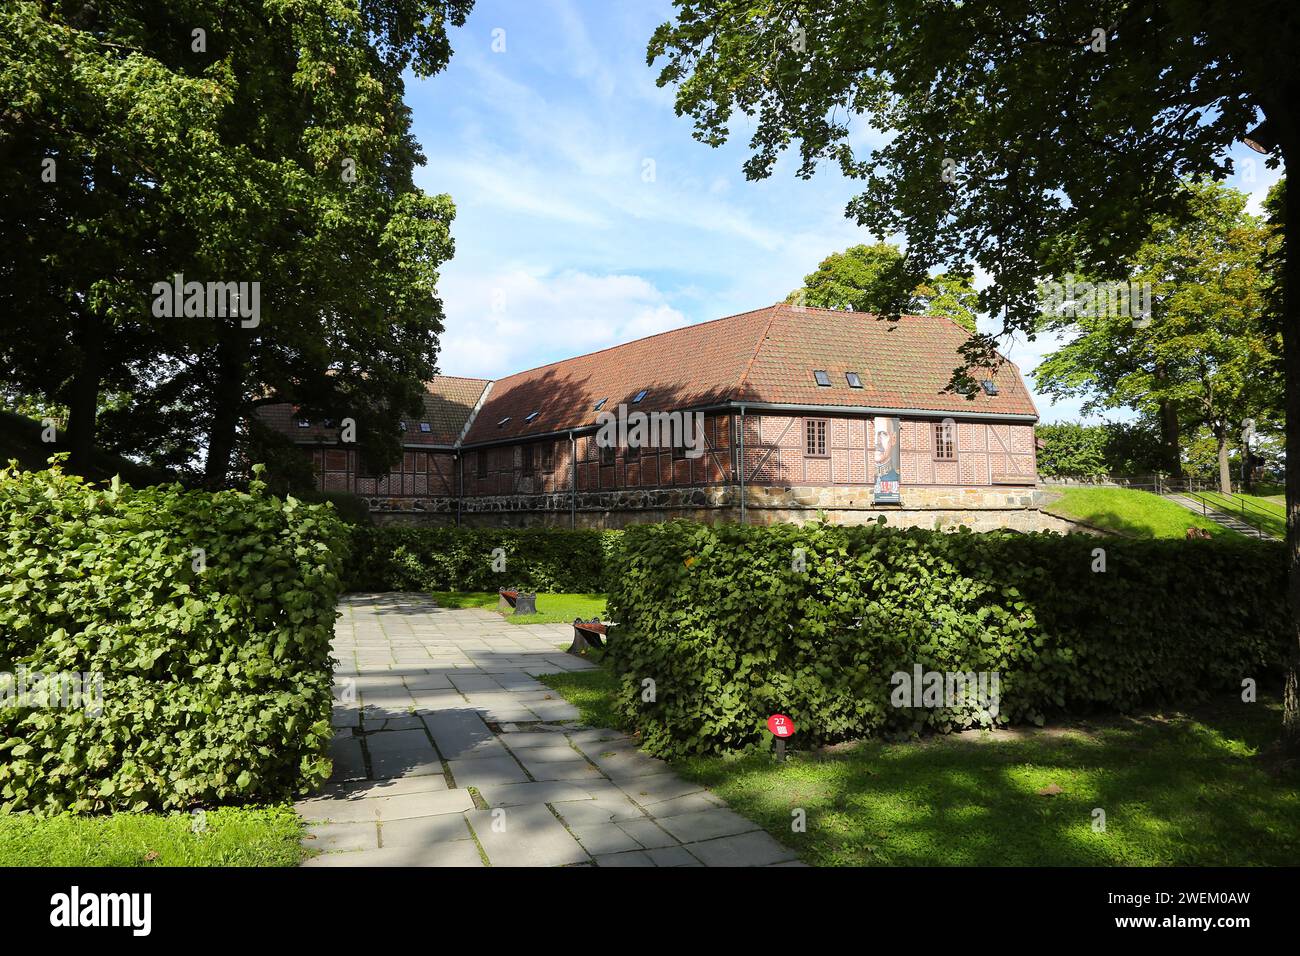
(342, 836)
(402, 753)
(391, 787)
(461, 734)
(633, 858)
(424, 831)
(487, 772)
(605, 838)
(706, 824)
(678, 806)
(387, 808)
(745, 849)
(598, 810)
(461, 853)
(673, 856)
(647, 833)
(428, 681)
(349, 759)
(658, 788)
(525, 836)
(520, 794)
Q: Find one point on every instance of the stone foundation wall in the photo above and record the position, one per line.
(980, 509)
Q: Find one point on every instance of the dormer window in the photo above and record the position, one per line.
(821, 377)
(854, 379)
(640, 395)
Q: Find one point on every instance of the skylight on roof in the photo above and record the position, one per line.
(528, 419)
(990, 388)
(502, 423)
(822, 378)
(425, 427)
(600, 404)
(855, 380)
(640, 395)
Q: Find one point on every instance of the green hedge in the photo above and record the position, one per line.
(216, 673)
(395, 558)
(730, 630)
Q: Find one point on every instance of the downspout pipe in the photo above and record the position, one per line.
(573, 480)
(460, 495)
(741, 469)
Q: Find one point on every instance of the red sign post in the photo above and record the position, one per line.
(781, 727)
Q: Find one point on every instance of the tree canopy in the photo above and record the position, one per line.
(1206, 352)
(1026, 136)
(878, 279)
(258, 142)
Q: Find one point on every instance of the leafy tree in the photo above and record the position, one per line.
(1071, 450)
(1026, 136)
(1133, 448)
(948, 294)
(1112, 449)
(1204, 355)
(878, 279)
(262, 141)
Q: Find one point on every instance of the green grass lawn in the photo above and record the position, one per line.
(260, 836)
(1260, 512)
(1176, 789)
(1138, 514)
(551, 608)
(592, 692)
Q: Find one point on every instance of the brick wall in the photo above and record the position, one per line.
(983, 455)
(418, 474)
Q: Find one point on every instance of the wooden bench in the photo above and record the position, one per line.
(516, 598)
(588, 634)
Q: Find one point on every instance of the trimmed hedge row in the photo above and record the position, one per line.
(395, 558)
(215, 663)
(736, 623)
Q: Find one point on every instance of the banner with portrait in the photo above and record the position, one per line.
(887, 461)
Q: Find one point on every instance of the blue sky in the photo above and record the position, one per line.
(587, 215)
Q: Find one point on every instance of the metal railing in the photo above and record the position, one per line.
(1204, 491)
(1250, 513)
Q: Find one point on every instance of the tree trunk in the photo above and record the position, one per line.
(227, 403)
(1225, 468)
(1291, 354)
(83, 396)
(1171, 439)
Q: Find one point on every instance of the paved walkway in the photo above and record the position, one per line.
(451, 753)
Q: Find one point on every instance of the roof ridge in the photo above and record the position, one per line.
(473, 414)
(463, 378)
(772, 311)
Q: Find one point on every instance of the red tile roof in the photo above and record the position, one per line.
(449, 401)
(765, 356)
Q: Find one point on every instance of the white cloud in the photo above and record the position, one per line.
(521, 317)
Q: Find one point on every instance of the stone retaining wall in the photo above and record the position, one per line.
(980, 509)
